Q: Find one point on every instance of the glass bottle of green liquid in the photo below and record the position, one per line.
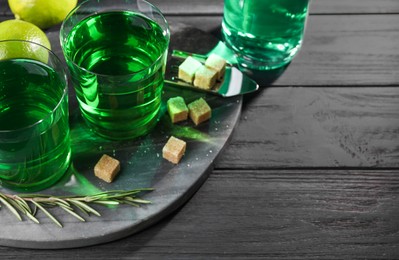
(264, 34)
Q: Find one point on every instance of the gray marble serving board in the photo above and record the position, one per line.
(142, 166)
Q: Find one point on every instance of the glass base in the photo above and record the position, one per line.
(255, 64)
(124, 133)
(41, 185)
(265, 62)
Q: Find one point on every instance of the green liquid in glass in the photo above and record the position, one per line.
(120, 58)
(266, 34)
(34, 131)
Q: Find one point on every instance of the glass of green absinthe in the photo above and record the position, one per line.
(34, 131)
(116, 52)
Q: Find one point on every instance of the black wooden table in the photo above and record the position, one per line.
(312, 169)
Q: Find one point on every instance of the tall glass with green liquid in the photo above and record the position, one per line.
(117, 60)
(264, 34)
(34, 129)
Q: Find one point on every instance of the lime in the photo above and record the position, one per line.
(43, 13)
(20, 30)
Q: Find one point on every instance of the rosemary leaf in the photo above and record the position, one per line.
(131, 203)
(47, 213)
(82, 209)
(85, 207)
(30, 204)
(3, 199)
(59, 201)
(106, 202)
(73, 213)
(17, 206)
(23, 203)
(61, 205)
(31, 217)
(137, 200)
(34, 210)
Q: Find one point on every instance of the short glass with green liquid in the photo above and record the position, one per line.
(34, 129)
(264, 34)
(117, 61)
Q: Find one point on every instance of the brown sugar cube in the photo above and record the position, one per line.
(107, 168)
(199, 111)
(205, 77)
(177, 109)
(174, 150)
(188, 68)
(217, 63)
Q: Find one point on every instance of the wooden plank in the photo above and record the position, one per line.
(268, 215)
(174, 7)
(316, 127)
(4, 9)
(337, 50)
(179, 7)
(317, 6)
(354, 6)
(215, 7)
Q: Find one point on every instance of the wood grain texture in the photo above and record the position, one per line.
(354, 6)
(282, 189)
(271, 214)
(215, 7)
(342, 50)
(338, 50)
(317, 127)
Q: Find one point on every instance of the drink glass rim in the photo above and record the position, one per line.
(65, 90)
(73, 11)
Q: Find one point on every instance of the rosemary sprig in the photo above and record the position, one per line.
(30, 204)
